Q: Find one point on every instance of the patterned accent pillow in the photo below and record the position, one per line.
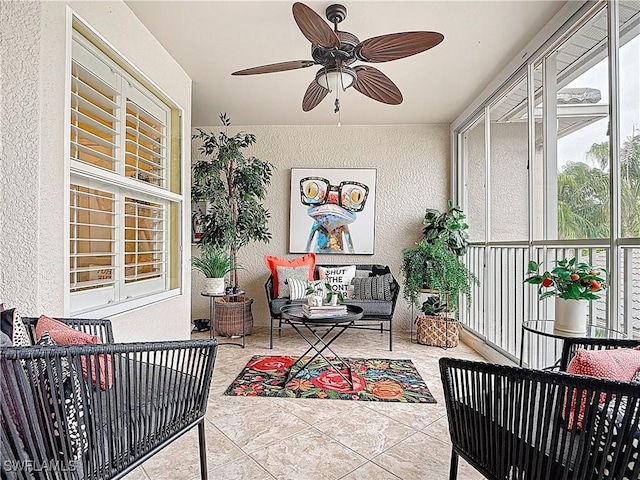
(13, 326)
(297, 288)
(319, 288)
(628, 435)
(71, 405)
(63, 334)
(616, 363)
(284, 273)
(373, 288)
(338, 277)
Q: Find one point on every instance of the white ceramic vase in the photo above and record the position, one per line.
(571, 316)
(214, 285)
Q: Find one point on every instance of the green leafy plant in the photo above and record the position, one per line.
(331, 292)
(233, 186)
(449, 225)
(434, 305)
(434, 266)
(213, 261)
(569, 279)
(311, 289)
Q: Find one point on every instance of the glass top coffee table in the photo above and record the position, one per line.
(546, 328)
(332, 325)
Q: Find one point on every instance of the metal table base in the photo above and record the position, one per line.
(313, 345)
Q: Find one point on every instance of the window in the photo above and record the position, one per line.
(124, 204)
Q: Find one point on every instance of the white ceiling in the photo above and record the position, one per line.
(211, 39)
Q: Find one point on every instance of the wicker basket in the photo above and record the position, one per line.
(434, 330)
(229, 316)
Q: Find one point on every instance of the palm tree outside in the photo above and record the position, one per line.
(583, 193)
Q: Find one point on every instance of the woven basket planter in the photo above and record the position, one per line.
(437, 331)
(229, 316)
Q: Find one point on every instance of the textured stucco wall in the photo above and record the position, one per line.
(412, 165)
(35, 41)
(19, 164)
(509, 182)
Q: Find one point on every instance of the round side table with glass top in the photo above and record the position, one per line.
(212, 315)
(546, 328)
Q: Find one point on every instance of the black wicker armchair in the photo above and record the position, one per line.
(516, 423)
(59, 421)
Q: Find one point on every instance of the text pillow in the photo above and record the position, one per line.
(284, 273)
(273, 262)
(63, 334)
(338, 277)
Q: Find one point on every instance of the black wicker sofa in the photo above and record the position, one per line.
(516, 423)
(375, 312)
(59, 422)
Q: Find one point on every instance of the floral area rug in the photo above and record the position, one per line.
(374, 379)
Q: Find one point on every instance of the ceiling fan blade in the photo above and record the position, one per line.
(317, 31)
(313, 96)
(393, 46)
(276, 67)
(375, 84)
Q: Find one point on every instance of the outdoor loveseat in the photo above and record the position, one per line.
(98, 411)
(516, 423)
(375, 311)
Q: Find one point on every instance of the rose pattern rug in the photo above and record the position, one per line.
(374, 379)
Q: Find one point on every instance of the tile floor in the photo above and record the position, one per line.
(309, 439)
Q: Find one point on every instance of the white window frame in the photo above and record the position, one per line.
(123, 296)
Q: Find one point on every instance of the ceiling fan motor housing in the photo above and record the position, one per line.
(344, 55)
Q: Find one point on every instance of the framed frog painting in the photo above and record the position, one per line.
(332, 210)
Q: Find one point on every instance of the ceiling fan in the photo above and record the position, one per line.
(336, 50)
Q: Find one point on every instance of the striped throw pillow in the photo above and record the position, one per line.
(297, 288)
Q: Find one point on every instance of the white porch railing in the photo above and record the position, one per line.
(502, 301)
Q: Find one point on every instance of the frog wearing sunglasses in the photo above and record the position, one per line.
(333, 208)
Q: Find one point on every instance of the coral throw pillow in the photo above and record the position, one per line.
(274, 262)
(614, 364)
(63, 334)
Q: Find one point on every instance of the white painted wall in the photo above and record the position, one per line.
(35, 51)
(412, 164)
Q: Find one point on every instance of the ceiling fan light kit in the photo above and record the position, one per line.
(335, 50)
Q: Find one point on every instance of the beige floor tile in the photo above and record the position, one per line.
(137, 474)
(422, 457)
(243, 468)
(263, 425)
(416, 416)
(439, 430)
(370, 471)
(309, 455)
(181, 459)
(365, 431)
(317, 411)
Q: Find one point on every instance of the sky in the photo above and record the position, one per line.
(574, 147)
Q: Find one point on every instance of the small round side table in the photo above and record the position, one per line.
(212, 315)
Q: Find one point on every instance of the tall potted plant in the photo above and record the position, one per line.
(434, 262)
(433, 265)
(233, 187)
